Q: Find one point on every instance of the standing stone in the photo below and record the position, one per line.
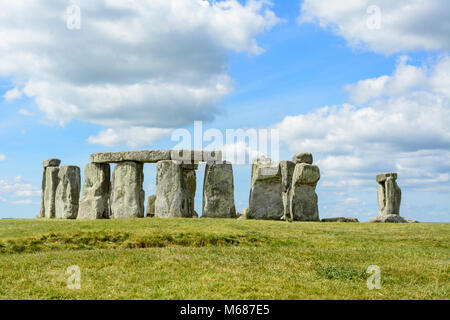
(218, 191)
(150, 209)
(266, 193)
(95, 194)
(173, 192)
(127, 195)
(47, 163)
(287, 171)
(190, 182)
(303, 197)
(389, 199)
(68, 193)
(49, 193)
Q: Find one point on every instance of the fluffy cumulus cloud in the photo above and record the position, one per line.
(17, 191)
(153, 63)
(132, 137)
(384, 25)
(402, 126)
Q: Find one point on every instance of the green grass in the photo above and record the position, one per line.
(222, 259)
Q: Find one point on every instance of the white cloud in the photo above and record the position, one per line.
(25, 112)
(12, 94)
(404, 24)
(18, 188)
(405, 128)
(2, 157)
(132, 63)
(132, 137)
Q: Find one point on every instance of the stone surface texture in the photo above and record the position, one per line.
(95, 195)
(127, 195)
(50, 184)
(68, 192)
(218, 191)
(144, 156)
(53, 162)
(303, 157)
(340, 219)
(303, 198)
(150, 208)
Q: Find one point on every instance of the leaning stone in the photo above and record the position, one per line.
(150, 208)
(340, 219)
(173, 196)
(68, 192)
(51, 163)
(49, 191)
(303, 158)
(95, 194)
(144, 156)
(218, 191)
(127, 196)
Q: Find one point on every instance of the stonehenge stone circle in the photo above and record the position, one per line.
(389, 199)
(266, 193)
(95, 194)
(50, 184)
(46, 164)
(173, 192)
(303, 198)
(127, 195)
(218, 191)
(150, 208)
(68, 192)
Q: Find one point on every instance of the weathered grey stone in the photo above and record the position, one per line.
(244, 215)
(382, 177)
(51, 163)
(42, 210)
(190, 183)
(68, 192)
(95, 194)
(196, 156)
(150, 208)
(303, 198)
(266, 193)
(389, 200)
(50, 183)
(127, 196)
(303, 157)
(340, 219)
(287, 172)
(173, 195)
(391, 218)
(218, 191)
(144, 156)
(195, 216)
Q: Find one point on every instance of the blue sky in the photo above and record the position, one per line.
(129, 76)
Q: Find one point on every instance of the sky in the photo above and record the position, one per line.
(362, 85)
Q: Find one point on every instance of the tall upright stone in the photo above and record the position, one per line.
(68, 193)
(127, 195)
(389, 199)
(218, 191)
(174, 190)
(150, 207)
(54, 163)
(287, 172)
(49, 193)
(266, 193)
(303, 197)
(95, 194)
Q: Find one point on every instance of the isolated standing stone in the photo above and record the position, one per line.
(68, 192)
(218, 191)
(150, 208)
(389, 200)
(266, 193)
(303, 197)
(127, 195)
(50, 184)
(173, 192)
(95, 194)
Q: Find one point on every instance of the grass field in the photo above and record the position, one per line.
(222, 259)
